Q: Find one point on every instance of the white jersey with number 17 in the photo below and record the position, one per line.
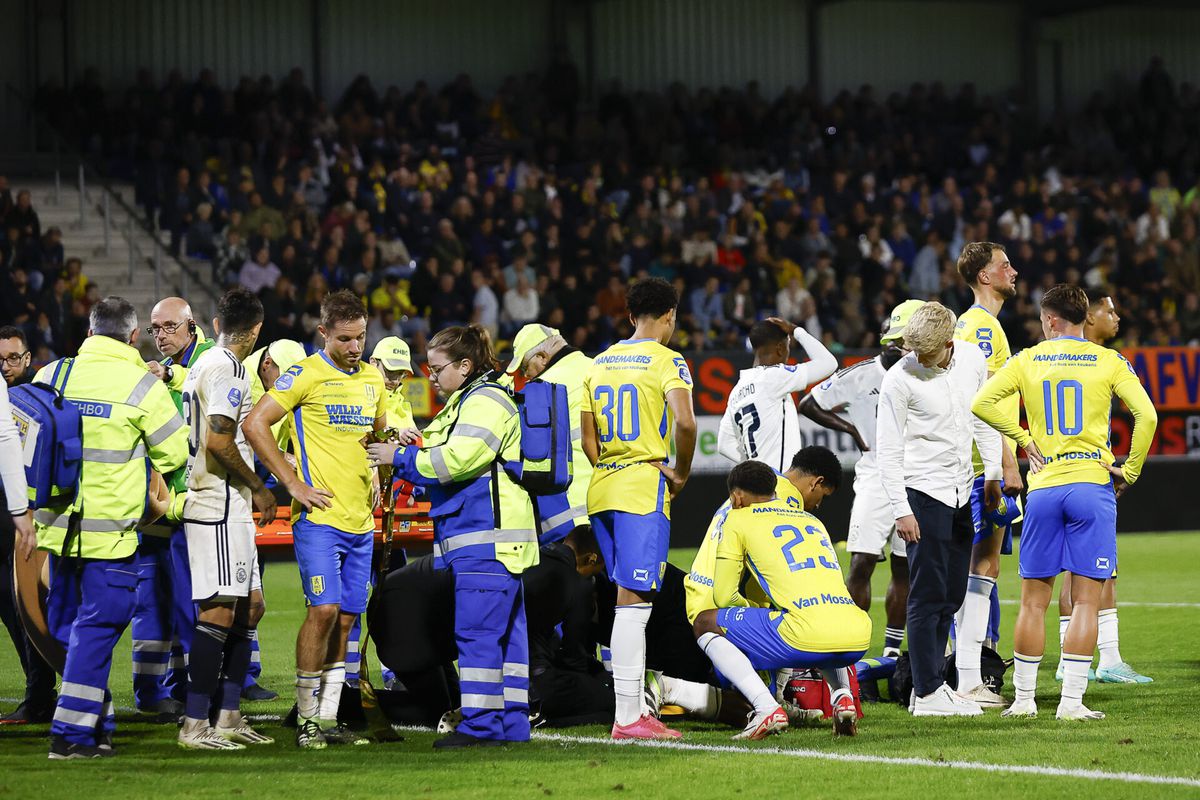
(760, 421)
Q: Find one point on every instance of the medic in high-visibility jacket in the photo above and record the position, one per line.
(483, 531)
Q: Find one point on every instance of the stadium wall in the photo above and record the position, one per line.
(646, 44)
(1108, 49)
(893, 44)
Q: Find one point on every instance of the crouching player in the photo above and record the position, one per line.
(788, 553)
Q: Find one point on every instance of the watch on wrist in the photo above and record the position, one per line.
(168, 374)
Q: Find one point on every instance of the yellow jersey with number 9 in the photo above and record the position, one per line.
(626, 392)
(788, 552)
(978, 326)
(331, 410)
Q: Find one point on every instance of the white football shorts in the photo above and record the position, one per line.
(872, 525)
(223, 559)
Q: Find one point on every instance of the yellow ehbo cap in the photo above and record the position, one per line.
(525, 341)
(393, 353)
(896, 323)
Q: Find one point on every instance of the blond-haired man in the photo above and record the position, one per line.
(925, 430)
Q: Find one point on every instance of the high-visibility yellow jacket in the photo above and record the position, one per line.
(128, 416)
(478, 511)
(399, 410)
(569, 367)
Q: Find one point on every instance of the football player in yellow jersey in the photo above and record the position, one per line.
(1101, 326)
(814, 622)
(334, 400)
(634, 393)
(815, 473)
(986, 269)
(1067, 384)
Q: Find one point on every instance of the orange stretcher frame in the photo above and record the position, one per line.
(413, 526)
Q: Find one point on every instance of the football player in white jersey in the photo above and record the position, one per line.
(760, 419)
(847, 403)
(219, 526)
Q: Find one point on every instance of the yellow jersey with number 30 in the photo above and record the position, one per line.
(1068, 386)
(788, 552)
(331, 410)
(979, 327)
(626, 391)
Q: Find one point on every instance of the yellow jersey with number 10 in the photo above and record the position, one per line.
(789, 553)
(331, 410)
(626, 391)
(979, 327)
(1068, 386)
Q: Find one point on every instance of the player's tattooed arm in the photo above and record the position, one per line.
(222, 445)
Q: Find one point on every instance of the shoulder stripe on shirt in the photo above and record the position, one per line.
(239, 370)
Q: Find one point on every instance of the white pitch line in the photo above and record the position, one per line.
(862, 758)
(857, 758)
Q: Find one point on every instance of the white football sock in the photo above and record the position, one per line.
(308, 685)
(1108, 639)
(1075, 672)
(629, 661)
(1025, 676)
(975, 610)
(1063, 622)
(839, 682)
(738, 670)
(695, 698)
(333, 678)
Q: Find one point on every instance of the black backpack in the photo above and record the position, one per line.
(991, 665)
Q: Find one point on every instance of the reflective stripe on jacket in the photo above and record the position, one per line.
(477, 509)
(128, 417)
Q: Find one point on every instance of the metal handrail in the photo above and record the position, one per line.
(189, 278)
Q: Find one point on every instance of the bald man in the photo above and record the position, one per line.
(177, 338)
(165, 615)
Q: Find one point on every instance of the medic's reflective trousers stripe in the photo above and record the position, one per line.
(493, 650)
(90, 604)
(163, 621)
(184, 615)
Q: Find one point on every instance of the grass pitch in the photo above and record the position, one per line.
(1148, 746)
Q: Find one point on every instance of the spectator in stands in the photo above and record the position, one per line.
(485, 306)
(520, 307)
(738, 307)
(447, 306)
(201, 237)
(707, 311)
(24, 218)
(260, 272)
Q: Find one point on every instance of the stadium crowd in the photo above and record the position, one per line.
(443, 205)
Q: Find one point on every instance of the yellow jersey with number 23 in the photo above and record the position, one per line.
(626, 392)
(788, 552)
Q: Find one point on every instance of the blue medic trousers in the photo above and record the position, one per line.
(90, 604)
(493, 650)
(163, 621)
